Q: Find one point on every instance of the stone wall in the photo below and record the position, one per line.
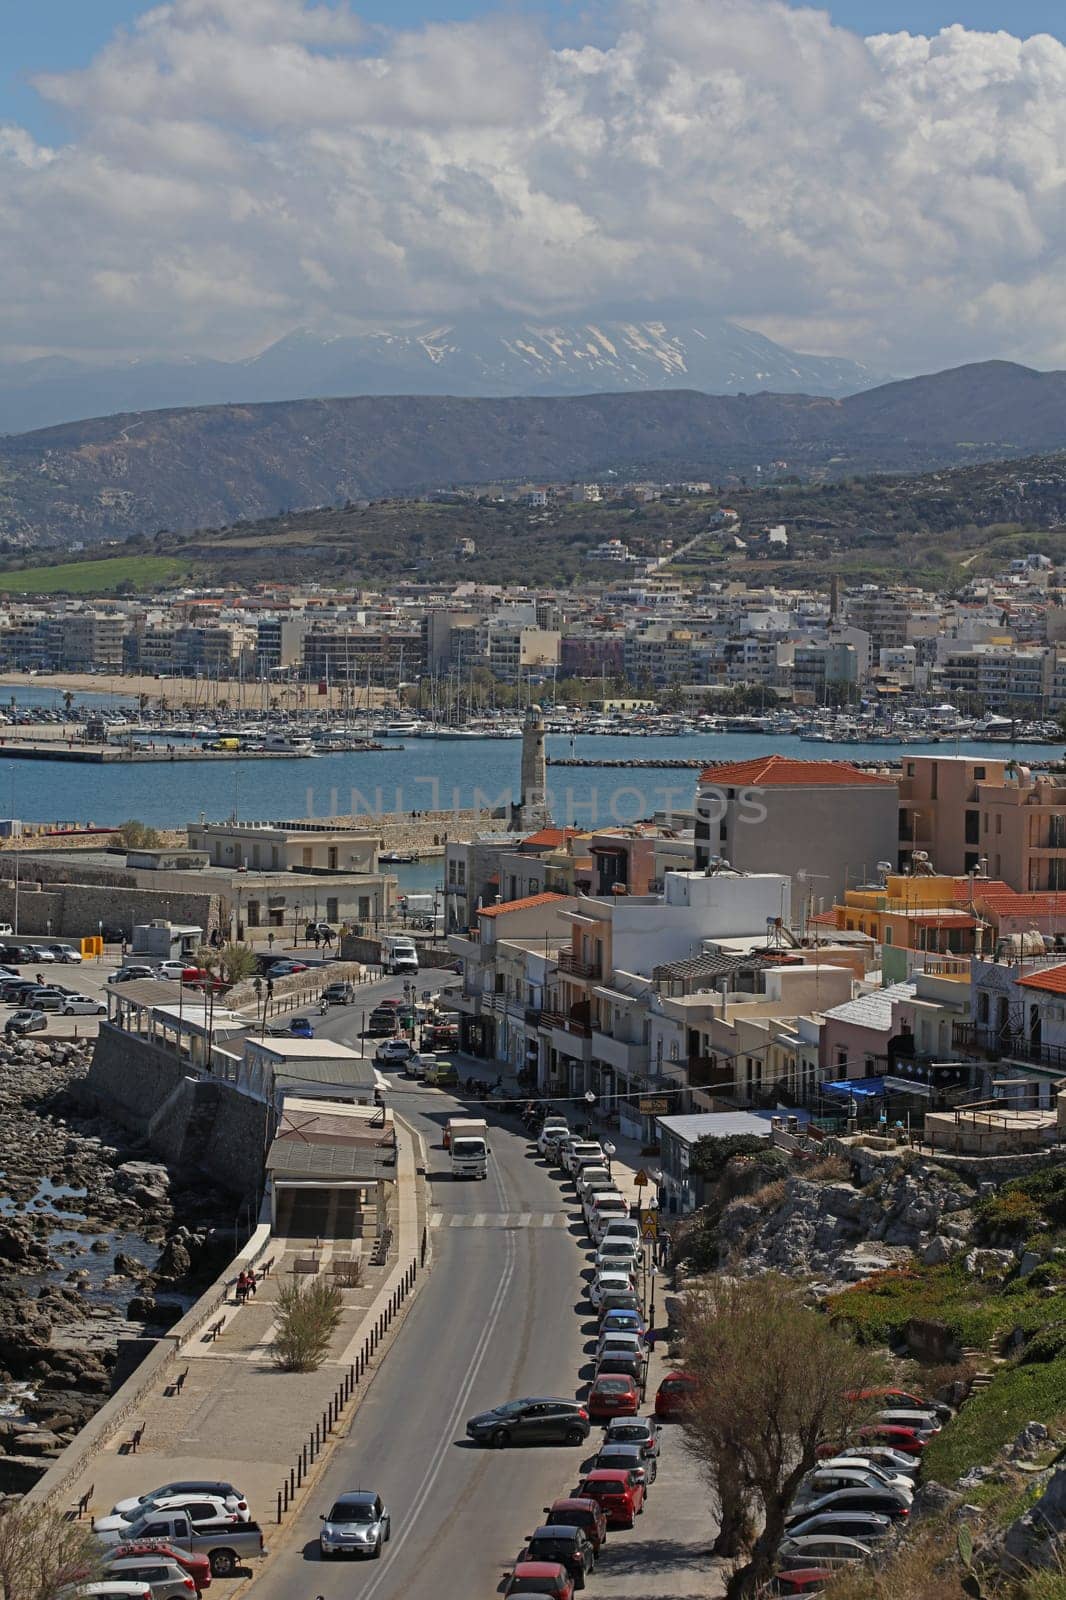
(76, 910)
(187, 1120)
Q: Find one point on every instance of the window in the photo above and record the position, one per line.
(982, 1005)
(934, 784)
(842, 1056)
(971, 831)
(978, 774)
(999, 822)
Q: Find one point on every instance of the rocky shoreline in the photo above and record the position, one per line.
(96, 1243)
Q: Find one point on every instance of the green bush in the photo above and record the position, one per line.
(1010, 1212)
(993, 1416)
(307, 1320)
(1049, 1344)
(972, 1311)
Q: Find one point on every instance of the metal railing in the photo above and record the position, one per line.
(1005, 1044)
(568, 962)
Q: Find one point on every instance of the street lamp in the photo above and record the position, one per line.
(590, 1101)
(653, 1274)
(609, 1153)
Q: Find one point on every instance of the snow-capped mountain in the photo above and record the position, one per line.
(480, 354)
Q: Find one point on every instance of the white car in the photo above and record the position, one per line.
(395, 1050)
(213, 1507)
(605, 1209)
(572, 1150)
(621, 1228)
(612, 1343)
(589, 1176)
(551, 1133)
(830, 1476)
(82, 1005)
(41, 953)
(174, 969)
(66, 953)
(884, 1459)
(608, 1283)
(617, 1255)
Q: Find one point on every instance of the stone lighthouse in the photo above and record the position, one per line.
(532, 812)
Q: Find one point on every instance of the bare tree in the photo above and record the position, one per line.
(42, 1554)
(776, 1380)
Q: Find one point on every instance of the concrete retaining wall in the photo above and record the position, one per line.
(187, 1120)
(77, 909)
(58, 1482)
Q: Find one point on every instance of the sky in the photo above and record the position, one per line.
(881, 179)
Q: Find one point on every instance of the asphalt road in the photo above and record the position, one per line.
(495, 1320)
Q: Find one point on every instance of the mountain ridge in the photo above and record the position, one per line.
(201, 467)
(486, 354)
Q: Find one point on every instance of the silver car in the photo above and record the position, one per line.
(357, 1525)
(163, 1576)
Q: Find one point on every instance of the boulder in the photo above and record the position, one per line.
(932, 1499)
(938, 1250)
(1032, 1439)
(1037, 1538)
(175, 1261)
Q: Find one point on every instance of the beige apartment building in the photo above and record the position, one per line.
(989, 817)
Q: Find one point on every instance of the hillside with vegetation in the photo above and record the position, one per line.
(111, 477)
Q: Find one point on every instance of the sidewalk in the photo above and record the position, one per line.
(236, 1416)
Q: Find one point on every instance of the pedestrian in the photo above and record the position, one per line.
(317, 939)
(649, 1340)
(39, 980)
(242, 1288)
(270, 941)
(329, 938)
(252, 1282)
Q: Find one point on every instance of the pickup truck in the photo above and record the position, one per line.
(225, 1542)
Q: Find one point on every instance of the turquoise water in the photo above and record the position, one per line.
(428, 774)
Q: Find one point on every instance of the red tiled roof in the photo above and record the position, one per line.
(1010, 903)
(983, 888)
(785, 772)
(550, 838)
(1053, 979)
(824, 919)
(520, 905)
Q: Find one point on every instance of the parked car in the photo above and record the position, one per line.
(629, 1456)
(895, 1398)
(394, 1050)
(551, 1132)
(907, 1441)
(566, 1544)
(881, 1498)
(588, 1515)
(132, 972)
(66, 953)
(605, 1209)
(198, 1567)
(284, 967)
(115, 1589)
(541, 1577)
(196, 1506)
(635, 1430)
(926, 1422)
(609, 1282)
(357, 1524)
(233, 1497)
(621, 1363)
(165, 1579)
(881, 1457)
(844, 1474)
(613, 1394)
(441, 1074)
(805, 1580)
(621, 1228)
(617, 1255)
(26, 1022)
(866, 1526)
(620, 1493)
(618, 1341)
(44, 998)
(578, 1150)
(82, 1005)
(623, 1322)
(531, 1421)
(810, 1548)
(416, 1065)
(615, 1299)
(673, 1394)
(589, 1177)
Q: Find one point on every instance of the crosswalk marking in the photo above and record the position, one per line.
(498, 1219)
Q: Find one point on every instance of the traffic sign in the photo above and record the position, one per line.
(649, 1225)
(641, 1179)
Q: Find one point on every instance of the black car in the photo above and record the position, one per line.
(533, 1421)
(13, 989)
(620, 1362)
(619, 1300)
(631, 1457)
(567, 1544)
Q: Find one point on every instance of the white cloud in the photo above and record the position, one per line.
(239, 167)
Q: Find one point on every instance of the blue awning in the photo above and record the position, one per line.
(857, 1088)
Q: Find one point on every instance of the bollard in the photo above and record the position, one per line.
(292, 1483)
(299, 1470)
(284, 1497)
(279, 1506)
(304, 1458)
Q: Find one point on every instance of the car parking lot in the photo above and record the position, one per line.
(48, 991)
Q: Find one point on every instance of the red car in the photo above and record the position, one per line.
(620, 1493)
(198, 1567)
(613, 1395)
(908, 1440)
(541, 1577)
(673, 1395)
(805, 1580)
(588, 1515)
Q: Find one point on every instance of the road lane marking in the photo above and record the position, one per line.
(447, 1437)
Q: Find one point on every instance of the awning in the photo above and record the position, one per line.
(857, 1088)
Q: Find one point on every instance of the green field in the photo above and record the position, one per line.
(94, 577)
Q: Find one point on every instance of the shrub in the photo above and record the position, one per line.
(1010, 1212)
(307, 1320)
(830, 1169)
(771, 1195)
(42, 1555)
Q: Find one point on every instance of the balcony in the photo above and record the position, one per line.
(707, 1072)
(568, 962)
(1002, 1044)
(623, 1056)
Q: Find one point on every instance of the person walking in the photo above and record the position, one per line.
(252, 1282)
